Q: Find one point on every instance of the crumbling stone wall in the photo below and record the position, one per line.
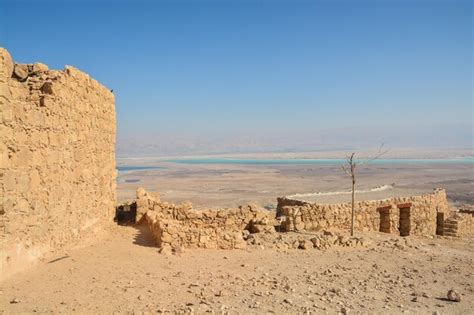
(465, 224)
(57, 160)
(182, 226)
(459, 224)
(301, 215)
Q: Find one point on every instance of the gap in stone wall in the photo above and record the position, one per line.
(385, 222)
(440, 223)
(405, 221)
(125, 214)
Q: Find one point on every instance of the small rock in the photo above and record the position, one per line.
(15, 301)
(454, 296)
(177, 250)
(222, 293)
(20, 72)
(415, 299)
(303, 244)
(165, 250)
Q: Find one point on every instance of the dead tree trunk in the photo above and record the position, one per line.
(353, 206)
(350, 170)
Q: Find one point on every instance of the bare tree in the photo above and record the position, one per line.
(350, 169)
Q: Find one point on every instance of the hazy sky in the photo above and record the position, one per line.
(225, 73)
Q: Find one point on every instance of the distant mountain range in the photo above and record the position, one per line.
(445, 140)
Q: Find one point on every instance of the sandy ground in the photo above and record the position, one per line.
(125, 273)
(234, 185)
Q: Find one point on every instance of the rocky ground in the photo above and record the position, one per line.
(372, 273)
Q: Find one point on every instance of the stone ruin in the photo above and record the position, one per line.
(58, 189)
(57, 160)
(424, 215)
(175, 227)
(180, 226)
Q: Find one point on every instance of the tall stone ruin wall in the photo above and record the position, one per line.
(181, 226)
(57, 160)
(300, 215)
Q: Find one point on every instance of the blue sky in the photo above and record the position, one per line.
(254, 70)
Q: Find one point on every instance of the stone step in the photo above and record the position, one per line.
(450, 231)
(450, 234)
(450, 225)
(454, 228)
(451, 222)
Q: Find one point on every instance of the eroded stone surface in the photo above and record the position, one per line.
(57, 160)
(300, 215)
(180, 226)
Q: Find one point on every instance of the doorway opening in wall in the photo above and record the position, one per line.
(404, 219)
(125, 214)
(440, 223)
(385, 224)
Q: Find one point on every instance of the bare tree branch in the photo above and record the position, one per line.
(350, 169)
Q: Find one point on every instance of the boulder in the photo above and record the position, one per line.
(20, 72)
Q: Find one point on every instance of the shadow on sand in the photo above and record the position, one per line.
(143, 237)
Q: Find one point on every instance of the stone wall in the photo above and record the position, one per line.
(458, 224)
(182, 226)
(300, 215)
(465, 224)
(57, 160)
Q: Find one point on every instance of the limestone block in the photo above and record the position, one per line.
(35, 180)
(6, 65)
(47, 88)
(20, 72)
(5, 94)
(4, 159)
(39, 67)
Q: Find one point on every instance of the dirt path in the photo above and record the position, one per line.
(125, 273)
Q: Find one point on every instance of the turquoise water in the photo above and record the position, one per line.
(468, 160)
(137, 168)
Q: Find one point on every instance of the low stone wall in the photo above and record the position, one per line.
(181, 226)
(300, 215)
(465, 224)
(175, 234)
